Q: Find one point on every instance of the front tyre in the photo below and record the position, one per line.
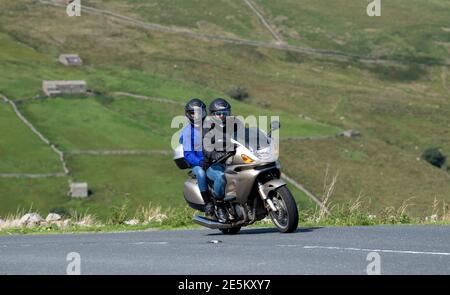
(286, 216)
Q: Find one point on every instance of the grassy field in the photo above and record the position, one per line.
(406, 29)
(380, 180)
(20, 150)
(230, 18)
(44, 194)
(400, 110)
(138, 181)
(84, 124)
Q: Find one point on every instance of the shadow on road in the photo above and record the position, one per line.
(257, 231)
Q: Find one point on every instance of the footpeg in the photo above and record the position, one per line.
(230, 199)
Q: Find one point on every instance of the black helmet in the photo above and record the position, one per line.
(190, 109)
(220, 108)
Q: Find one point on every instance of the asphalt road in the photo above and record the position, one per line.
(340, 250)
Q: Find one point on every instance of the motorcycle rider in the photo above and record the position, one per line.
(192, 140)
(215, 148)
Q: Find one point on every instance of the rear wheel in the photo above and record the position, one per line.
(286, 216)
(231, 231)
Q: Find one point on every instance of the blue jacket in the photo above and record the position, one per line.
(192, 142)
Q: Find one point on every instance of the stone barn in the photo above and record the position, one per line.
(52, 88)
(351, 134)
(79, 190)
(70, 60)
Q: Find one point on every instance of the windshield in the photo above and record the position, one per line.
(254, 139)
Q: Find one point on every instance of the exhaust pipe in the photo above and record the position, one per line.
(212, 224)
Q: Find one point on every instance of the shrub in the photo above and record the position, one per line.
(119, 213)
(178, 217)
(238, 93)
(434, 156)
(104, 100)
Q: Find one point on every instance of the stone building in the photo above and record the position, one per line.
(79, 190)
(351, 134)
(52, 88)
(70, 60)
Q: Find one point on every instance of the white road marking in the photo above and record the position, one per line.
(149, 243)
(377, 250)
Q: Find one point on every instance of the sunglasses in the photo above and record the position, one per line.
(222, 113)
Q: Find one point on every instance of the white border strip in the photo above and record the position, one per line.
(376, 250)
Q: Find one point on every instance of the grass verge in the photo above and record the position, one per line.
(155, 218)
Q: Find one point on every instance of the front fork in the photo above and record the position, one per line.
(265, 197)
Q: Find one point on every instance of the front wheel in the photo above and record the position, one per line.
(286, 216)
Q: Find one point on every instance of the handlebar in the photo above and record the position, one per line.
(226, 156)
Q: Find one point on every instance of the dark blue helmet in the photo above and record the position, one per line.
(220, 108)
(193, 105)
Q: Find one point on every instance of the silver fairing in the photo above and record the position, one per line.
(241, 183)
(241, 176)
(192, 193)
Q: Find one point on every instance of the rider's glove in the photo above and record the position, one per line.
(204, 164)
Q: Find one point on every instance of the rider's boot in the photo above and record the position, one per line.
(209, 206)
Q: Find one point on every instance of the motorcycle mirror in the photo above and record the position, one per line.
(274, 125)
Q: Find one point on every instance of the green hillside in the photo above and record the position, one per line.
(231, 18)
(400, 109)
(407, 29)
(20, 150)
(84, 124)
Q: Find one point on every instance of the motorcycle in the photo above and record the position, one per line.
(253, 190)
